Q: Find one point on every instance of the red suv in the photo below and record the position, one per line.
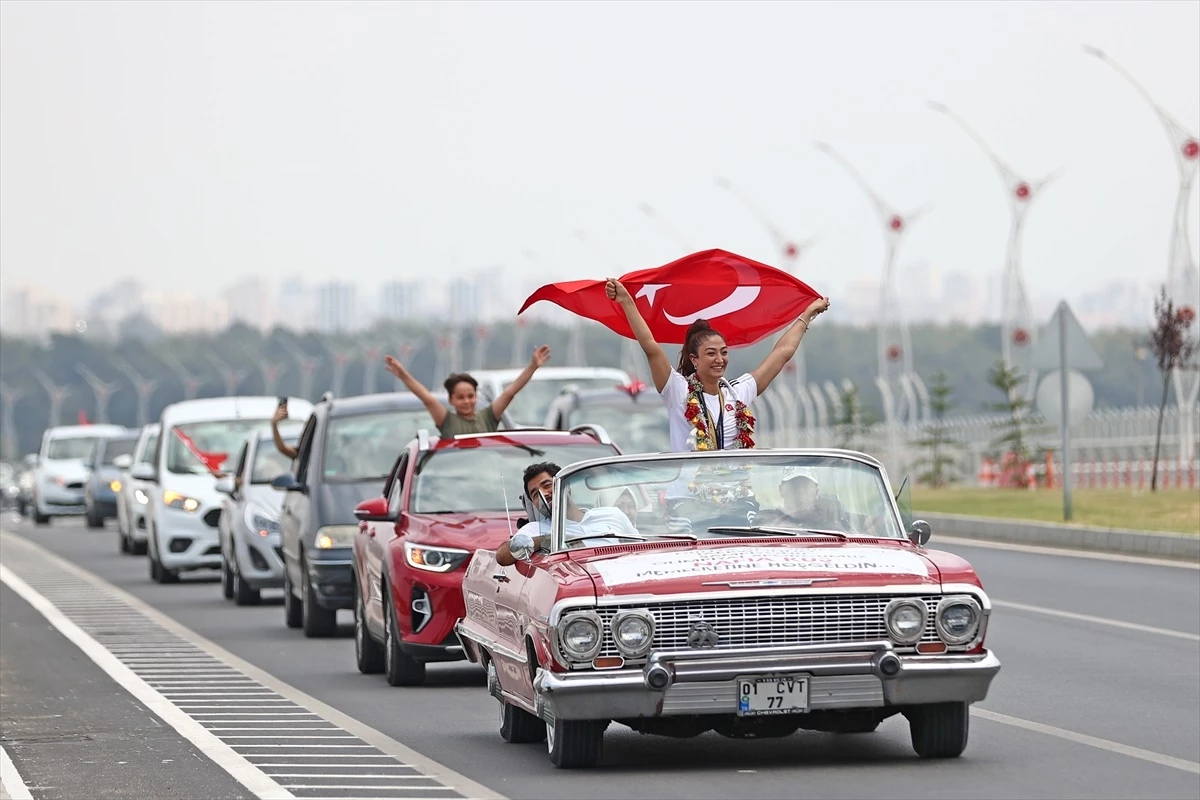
(443, 500)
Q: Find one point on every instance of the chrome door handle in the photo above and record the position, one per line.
(500, 576)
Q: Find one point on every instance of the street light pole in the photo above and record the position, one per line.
(191, 384)
(308, 368)
(11, 395)
(143, 386)
(231, 377)
(102, 391)
(1183, 285)
(371, 353)
(1018, 333)
(894, 346)
(269, 371)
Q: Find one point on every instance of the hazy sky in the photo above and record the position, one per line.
(192, 144)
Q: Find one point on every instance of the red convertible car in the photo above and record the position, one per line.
(765, 591)
(443, 499)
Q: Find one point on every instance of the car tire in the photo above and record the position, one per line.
(93, 521)
(138, 548)
(243, 593)
(939, 730)
(368, 655)
(517, 726)
(39, 518)
(293, 615)
(318, 622)
(575, 743)
(399, 667)
(159, 573)
(226, 579)
(123, 541)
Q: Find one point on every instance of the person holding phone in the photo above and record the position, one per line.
(281, 413)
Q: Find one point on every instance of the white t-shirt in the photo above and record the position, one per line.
(589, 531)
(674, 396)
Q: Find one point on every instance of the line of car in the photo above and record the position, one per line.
(832, 616)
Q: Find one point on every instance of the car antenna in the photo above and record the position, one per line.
(507, 513)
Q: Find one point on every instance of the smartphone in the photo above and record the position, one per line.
(283, 403)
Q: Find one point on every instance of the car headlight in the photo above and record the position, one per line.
(580, 635)
(434, 559)
(115, 486)
(173, 499)
(261, 522)
(141, 496)
(958, 619)
(633, 632)
(332, 536)
(905, 620)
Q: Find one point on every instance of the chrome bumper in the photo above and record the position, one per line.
(694, 682)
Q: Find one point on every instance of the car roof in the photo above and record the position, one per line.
(596, 397)
(507, 438)
(83, 431)
(370, 403)
(222, 408)
(286, 431)
(552, 373)
(123, 436)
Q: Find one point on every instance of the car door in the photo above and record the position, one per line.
(294, 510)
(378, 541)
(231, 505)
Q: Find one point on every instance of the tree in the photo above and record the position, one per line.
(1014, 436)
(936, 438)
(1173, 347)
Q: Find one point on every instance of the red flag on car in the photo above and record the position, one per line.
(743, 299)
(83, 418)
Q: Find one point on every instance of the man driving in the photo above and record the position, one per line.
(802, 504)
(580, 528)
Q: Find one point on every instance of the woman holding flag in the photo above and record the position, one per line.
(705, 410)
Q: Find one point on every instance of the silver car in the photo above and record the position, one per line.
(135, 494)
(249, 523)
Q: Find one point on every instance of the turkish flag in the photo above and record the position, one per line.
(212, 461)
(743, 299)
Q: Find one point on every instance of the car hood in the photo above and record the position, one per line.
(473, 531)
(337, 500)
(71, 469)
(670, 568)
(106, 474)
(201, 487)
(263, 495)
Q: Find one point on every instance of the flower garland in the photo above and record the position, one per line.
(701, 438)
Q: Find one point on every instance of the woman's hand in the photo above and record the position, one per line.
(617, 291)
(814, 308)
(540, 356)
(393, 366)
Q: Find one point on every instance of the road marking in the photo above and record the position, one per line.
(381, 741)
(1116, 623)
(1060, 551)
(1090, 741)
(221, 754)
(11, 780)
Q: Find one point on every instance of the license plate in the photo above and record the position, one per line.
(773, 694)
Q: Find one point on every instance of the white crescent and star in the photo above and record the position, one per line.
(739, 298)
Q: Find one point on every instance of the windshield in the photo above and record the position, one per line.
(364, 447)
(118, 447)
(76, 447)
(635, 427)
(269, 462)
(147, 452)
(465, 480)
(696, 496)
(201, 448)
(531, 403)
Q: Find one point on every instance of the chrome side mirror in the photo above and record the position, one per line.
(920, 532)
(521, 546)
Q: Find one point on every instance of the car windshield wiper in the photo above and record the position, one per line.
(766, 530)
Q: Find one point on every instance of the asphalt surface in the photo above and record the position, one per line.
(1104, 688)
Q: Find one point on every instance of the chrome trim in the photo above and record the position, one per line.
(423, 440)
(594, 429)
(487, 643)
(621, 616)
(905, 602)
(957, 600)
(589, 654)
(323, 562)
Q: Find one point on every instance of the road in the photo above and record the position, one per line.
(1099, 696)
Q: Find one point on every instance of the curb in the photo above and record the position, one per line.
(1181, 546)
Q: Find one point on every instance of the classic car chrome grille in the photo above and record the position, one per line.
(771, 621)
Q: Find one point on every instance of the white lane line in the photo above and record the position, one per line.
(221, 754)
(1061, 551)
(10, 778)
(1116, 623)
(1090, 741)
(389, 746)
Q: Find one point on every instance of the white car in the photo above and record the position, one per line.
(529, 407)
(197, 444)
(251, 552)
(60, 474)
(135, 494)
